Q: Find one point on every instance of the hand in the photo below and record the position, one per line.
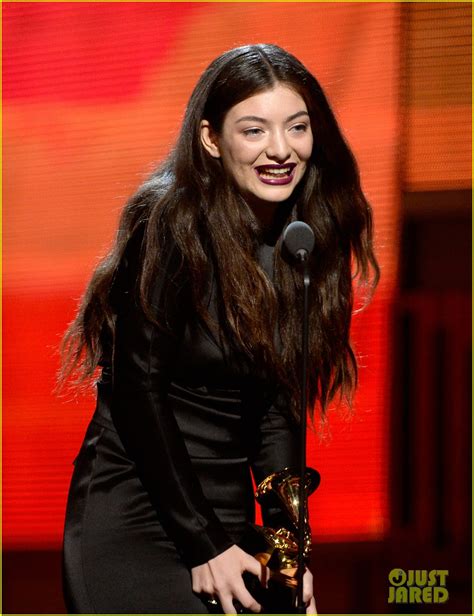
(308, 596)
(221, 578)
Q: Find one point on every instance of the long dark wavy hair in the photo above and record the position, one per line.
(190, 197)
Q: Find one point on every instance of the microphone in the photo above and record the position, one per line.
(298, 239)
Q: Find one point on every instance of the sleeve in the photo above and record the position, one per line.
(278, 447)
(144, 355)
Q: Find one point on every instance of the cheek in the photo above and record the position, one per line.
(238, 162)
(245, 154)
(235, 167)
(307, 149)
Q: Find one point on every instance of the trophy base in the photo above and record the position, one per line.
(280, 595)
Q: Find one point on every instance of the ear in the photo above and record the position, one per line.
(209, 139)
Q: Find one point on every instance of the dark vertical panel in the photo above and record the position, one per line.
(440, 413)
(405, 455)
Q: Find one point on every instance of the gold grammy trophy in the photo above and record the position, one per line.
(278, 548)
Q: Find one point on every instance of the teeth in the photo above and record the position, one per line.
(282, 171)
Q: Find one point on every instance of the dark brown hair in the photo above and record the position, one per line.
(191, 198)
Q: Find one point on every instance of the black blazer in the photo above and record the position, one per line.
(193, 416)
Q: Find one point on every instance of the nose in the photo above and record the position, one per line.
(278, 147)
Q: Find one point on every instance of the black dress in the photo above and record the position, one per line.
(162, 482)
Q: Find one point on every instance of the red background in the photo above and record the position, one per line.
(93, 93)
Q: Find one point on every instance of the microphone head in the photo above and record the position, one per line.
(297, 237)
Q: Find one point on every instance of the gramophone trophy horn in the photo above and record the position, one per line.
(278, 548)
(283, 487)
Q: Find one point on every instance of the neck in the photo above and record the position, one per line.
(271, 218)
(265, 213)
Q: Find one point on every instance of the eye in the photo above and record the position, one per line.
(299, 128)
(252, 132)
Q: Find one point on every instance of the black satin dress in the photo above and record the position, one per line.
(162, 482)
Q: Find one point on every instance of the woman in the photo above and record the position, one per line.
(193, 317)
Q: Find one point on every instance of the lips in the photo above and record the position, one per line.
(275, 174)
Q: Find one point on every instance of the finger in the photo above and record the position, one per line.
(308, 590)
(248, 602)
(263, 574)
(205, 589)
(311, 609)
(254, 566)
(228, 606)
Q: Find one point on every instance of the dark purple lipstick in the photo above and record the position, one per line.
(276, 175)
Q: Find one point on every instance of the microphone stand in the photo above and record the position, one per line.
(303, 258)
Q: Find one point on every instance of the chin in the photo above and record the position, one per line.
(275, 197)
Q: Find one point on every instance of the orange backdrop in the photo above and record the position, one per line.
(93, 95)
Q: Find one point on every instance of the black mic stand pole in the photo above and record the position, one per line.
(300, 607)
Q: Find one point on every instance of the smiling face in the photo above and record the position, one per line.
(264, 144)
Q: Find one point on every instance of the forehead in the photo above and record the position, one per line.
(273, 104)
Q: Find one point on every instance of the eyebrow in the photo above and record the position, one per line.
(252, 118)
